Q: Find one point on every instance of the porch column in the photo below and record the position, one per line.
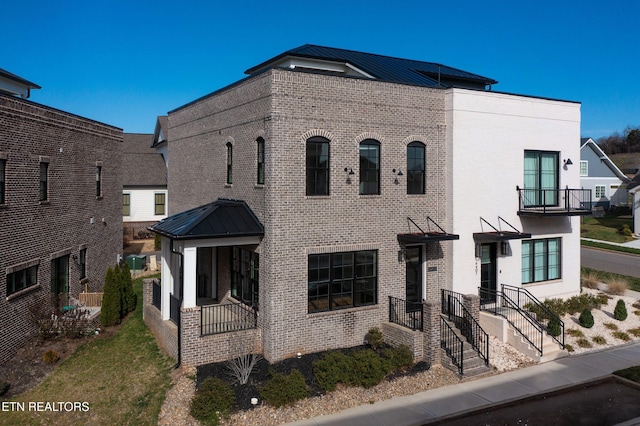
(190, 275)
(166, 278)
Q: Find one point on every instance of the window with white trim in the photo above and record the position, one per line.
(584, 168)
(600, 191)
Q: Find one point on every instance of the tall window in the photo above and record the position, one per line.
(245, 267)
(415, 168)
(600, 192)
(369, 167)
(229, 163)
(24, 278)
(98, 181)
(3, 166)
(317, 166)
(83, 263)
(260, 146)
(44, 182)
(541, 260)
(342, 280)
(159, 204)
(540, 178)
(584, 168)
(126, 204)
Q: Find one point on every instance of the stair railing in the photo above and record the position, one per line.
(457, 313)
(452, 345)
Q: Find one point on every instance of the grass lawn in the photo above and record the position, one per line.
(631, 373)
(633, 283)
(123, 378)
(605, 228)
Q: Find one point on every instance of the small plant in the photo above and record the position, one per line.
(599, 340)
(331, 369)
(368, 369)
(553, 328)
(4, 387)
(374, 338)
(50, 357)
(637, 312)
(636, 305)
(590, 280)
(284, 390)
(398, 358)
(157, 242)
(621, 335)
(586, 318)
(611, 326)
(569, 348)
(635, 331)
(616, 286)
(212, 400)
(575, 332)
(241, 367)
(620, 312)
(625, 230)
(584, 343)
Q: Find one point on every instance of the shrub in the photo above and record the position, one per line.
(553, 328)
(333, 368)
(212, 400)
(241, 367)
(157, 242)
(4, 387)
(616, 286)
(590, 280)
(625, 230)
(635, 331)
(575, 333)
(621, 335)
(584, 343)
(374, 338)
(586, 319)
(620, 312)
(569, 348)
(127, 297)
(110, 310)
(398, 358)
(284, 390)
(599, 340)
(368, 369)
(50, 357)
(610, 326)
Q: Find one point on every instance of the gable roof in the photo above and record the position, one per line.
(379, 67)
(15, 85)
(161, 133)
(603, 157)
(222, 218)
(141, 164)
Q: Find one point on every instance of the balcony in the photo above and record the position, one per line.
(554, 202)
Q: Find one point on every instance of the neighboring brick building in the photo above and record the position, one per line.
(343, 164)
(60, 210)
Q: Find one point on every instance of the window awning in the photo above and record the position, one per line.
(429, 236)
(499, 235)
(223, 218)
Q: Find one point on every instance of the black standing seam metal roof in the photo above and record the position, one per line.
(384, 68)
(219, 219)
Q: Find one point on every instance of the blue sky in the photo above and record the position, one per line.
(124, 62)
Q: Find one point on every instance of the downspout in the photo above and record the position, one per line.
(177, 365)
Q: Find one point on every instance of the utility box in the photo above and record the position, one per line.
(136, 262)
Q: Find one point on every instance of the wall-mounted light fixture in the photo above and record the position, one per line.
(396, 172)
(349, 170)
(567, 162)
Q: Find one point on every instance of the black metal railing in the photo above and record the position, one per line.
(568, 201)
(405, 313)
(156, 294)
(452, 345)
(469, 327)
(228, 317)
(174, 309)
(539, 311)
(500, 304)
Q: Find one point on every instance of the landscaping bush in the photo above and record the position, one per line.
(625, 230)
(569, 348)
(599, 340)
(621, 335)
(374, 338)
(50, 357)
(586, 319)
(110, 311)
(553, 328)
(368, 369)
(157, 242)
(128, 299)
(616, 286)
(610, 326)
(620, 312)
(575, 333)
(333, 368)
(590, 280)
(212, 401)
(584, 343)
(284, 389)
(398, 358)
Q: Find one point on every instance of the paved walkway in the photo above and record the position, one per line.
(631, 244)
(447, 401)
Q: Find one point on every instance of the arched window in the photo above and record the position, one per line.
(317, 166)
(229, 163)
(369, 167)
(415, 168)
(260, 171)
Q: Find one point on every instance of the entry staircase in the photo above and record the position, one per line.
(529, 323)
(464, 343)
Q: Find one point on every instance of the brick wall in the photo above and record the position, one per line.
(397, 335)
(166, 332)
(71, 219)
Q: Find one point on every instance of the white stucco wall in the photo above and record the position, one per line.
(142, 207)
(487, 134)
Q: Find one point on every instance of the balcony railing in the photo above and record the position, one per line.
(554, 202)
(405, 313)
(228, 317)
(456, 312)
(156, 296)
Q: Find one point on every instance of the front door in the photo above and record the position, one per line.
(488, 277)
(414, 278)
(60, 282)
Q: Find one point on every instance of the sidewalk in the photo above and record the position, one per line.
(631, 244)
(443, 402)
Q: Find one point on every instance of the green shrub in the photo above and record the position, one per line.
(333, 368)
(569, 348)
(157, 242)
(212, 401)
(110, 310)
(374, 338)
(621, 335)
(625, 230)
(368, 369)
(635, 331)
(50, 357)
(4, 387)
(584, 343)
(398, 358)
(610, 326)
(620, 312)
(284, 390)
(599, 340)
(553, 328)
(127, 297)
(575, 333)
(586, 319)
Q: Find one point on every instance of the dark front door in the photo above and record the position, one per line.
(414, 278)
(488, 285)
(60, 282)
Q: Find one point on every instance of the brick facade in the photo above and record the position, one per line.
(72, 218)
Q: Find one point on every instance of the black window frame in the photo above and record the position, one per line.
(126, 204)
(229, 146)
(82, 263)
(3, 180)
(260, 161)
(369, 176)
(415, 185)
(318, 166)
(98, 181)
(25, 275)
(539, 194)
(336, 278)
(532, 265)
(245, 276)
(43, 193)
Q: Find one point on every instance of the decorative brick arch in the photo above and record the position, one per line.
(317, 132)
(415, 138)
(230, 140)
(369, 135)
(260, 134)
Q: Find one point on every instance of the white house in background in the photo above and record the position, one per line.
(634, 191)
(598, 173)
(160, 138)
(144, 192)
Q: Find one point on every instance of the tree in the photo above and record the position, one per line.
(110, 310)
(129, 298)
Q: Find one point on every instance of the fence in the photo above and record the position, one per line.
(215, 319)
(91, 299)
(406, 314)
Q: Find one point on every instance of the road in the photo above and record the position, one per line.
(610, 261)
